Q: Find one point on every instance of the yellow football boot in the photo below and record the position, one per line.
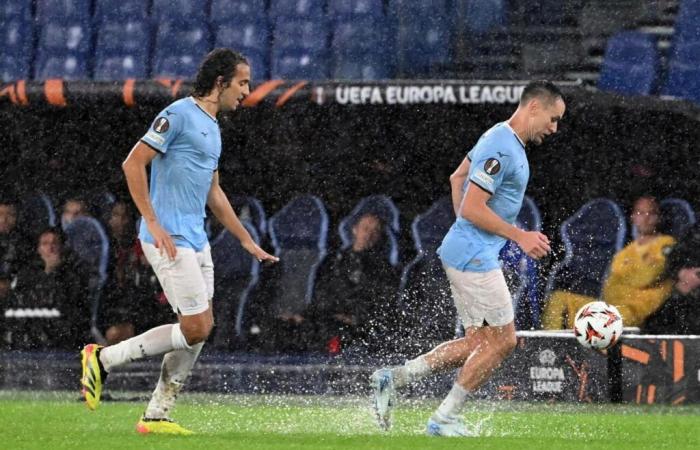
(93, 375)
(161, 426)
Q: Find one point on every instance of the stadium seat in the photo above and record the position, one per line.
(235, 275)
(342, 9)
(384, 208)
(298, 233)
(181, 66)
(87, 238)
(361, 49)
(65, 37)
(58, 11)
(117, 68)
(591, 237)
(14, 68)
(189, 37)
(687, 26)
(35, 214)
(16, 10)
(308, 9)
(179, 10)
(477, 17)
(68, 67)
(226, 11)
(240, 34)
(250, 209)
(123, 10)
(677, 216)
(128, 37)
(684, 72)
(522, 272)
(305, 34)
(422, 35)
(298, 64)
(631, 65)
(424, 291)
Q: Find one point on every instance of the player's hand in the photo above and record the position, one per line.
(255, 250)
(162, 239)
(534, 244)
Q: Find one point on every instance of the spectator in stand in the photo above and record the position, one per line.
(14, 250)
(355, 292)
(637, 285)
(73, 208)
(49, 308)
(680, 314)
(130, 281)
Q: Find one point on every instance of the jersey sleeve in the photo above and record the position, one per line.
(488, 169)
(163, 130)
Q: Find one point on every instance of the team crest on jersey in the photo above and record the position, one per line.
(492, 166)
(161, 125)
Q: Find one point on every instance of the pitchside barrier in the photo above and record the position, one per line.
(546, 366)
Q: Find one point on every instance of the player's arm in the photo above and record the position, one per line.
(476, 210)
(457, 180)
(221, 207)
(134, 167)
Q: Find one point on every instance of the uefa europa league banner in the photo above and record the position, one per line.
(550, 366)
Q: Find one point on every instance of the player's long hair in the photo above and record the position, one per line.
(219, 62)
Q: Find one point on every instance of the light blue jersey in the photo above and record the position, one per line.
(499, 166)
(188, 141)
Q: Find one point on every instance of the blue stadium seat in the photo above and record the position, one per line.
(36, 213)
(14, 68)
(481, 16)
(180, 66)
(179, 10)
(308, 9)
(251, 209)
(121, 67)
(62, 37)
(223, 11)
(687, 26)
(361, 66)
(300, 64)
(305, 34)
(340, 9)
(236, 273)
(69, 67)
(522, 272)
(684, 72)
(123, 10)
(57, 11)
(591, 237)
(677, 216)
(128, 37)
(384, 208)
(631, 65)
(361, 49)
(243, 33)
(16, 36)
(422, 35)
(189, 37)
(16, 10)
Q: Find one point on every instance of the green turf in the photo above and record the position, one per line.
(56, 420)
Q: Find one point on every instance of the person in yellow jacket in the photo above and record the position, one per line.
(636, 285)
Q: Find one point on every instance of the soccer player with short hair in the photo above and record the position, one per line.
(487, 192)
(182, 146)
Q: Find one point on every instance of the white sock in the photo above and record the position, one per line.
(155, 341)
(454, 402)
(176, 367)
(414, 370)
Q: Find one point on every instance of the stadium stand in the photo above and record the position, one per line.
(384, 208)
(631, 65)
(684, 71)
